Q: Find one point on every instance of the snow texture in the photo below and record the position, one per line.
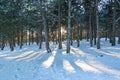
(83, 63)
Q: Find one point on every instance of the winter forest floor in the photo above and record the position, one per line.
(83, 63)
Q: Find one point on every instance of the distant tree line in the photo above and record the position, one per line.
(28, 21)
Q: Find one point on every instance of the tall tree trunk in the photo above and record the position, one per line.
(119, 40)
(113, 27)
(40, 37)
(90, 25)
(12, 41)
(56, 37)
(69, 26)
(118, 36)
(21, 38)
(45, 28)
(71, 37)
(87, 30)
(59, 26)
(36, 38)
(94, 25)
(2, 38)
(95, 32)
(81, 29)
(52, 36)
(97, 24)
(2, 41)
(29, 37)
(78, 36)
(26, 38)
(32, 36)
(18, 37)
(106, 32)
(46, 34)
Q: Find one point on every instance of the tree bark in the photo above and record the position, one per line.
(114, 24)
(18, 37)
(81, 29)
(97, 24)
(29, 37)
(69, 26)
(119, 40)
(36, 38)
(59, 26)
(90, 25)
(2, 42)
(40, 37)
(21, 38)
(32, 36)
(78, 36)
(45, 28)
(12, 41)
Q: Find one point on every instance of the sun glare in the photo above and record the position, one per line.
(63, 31)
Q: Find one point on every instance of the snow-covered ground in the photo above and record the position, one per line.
(83, 63)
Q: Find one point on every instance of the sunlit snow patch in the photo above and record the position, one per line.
(86, 67)
(106, 69)
(3, 55)
(64, 53)
(19, 56)
(37, 56)
(67, 66)
(48, 62)
(29, 56)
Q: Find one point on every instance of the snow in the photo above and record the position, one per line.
(67, 66)
(48, 62)
(83, 63)
(86, 67)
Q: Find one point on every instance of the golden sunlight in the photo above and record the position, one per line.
(63, 31)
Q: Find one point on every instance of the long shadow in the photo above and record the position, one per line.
(36, 57)
(94, 59)
(32, 56)
(43, 58)
(59, 59)
(25, 54)
(72, 58)
(57, 64)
